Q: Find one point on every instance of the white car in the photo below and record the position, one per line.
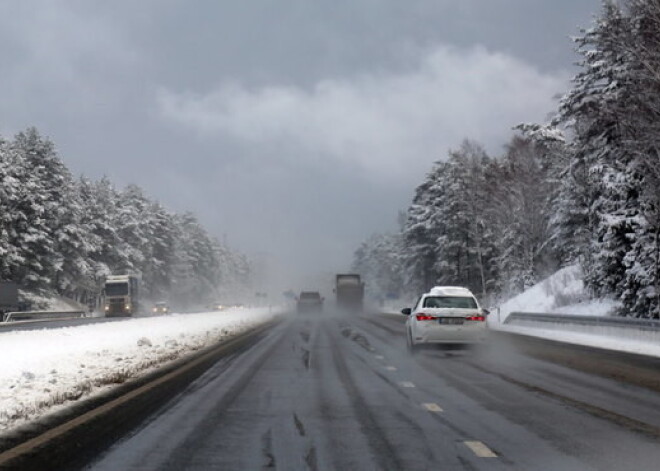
(445, 315)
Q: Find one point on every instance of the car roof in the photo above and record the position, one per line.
(449, 291)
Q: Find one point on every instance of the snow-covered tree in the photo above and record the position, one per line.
(421, 230)
(41, 228)
(483, 222)
(378, 260)
(66, 236)
(464, 249)
(520, 202)
(613, 112)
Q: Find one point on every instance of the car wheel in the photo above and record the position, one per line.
(412, 348)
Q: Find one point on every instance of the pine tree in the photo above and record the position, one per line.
(520, 210)
(63, 236)
(421, 230)
(613, 110)
(378, 260)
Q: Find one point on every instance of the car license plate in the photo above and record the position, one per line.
(451, 320)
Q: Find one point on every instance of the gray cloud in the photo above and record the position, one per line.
(391, 125)
(295, 127)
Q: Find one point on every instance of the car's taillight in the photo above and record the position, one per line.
(424, 317)
(476, 318)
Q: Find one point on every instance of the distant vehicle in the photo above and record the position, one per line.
(445, 315)
(223, 306)
(309, 301)
(349, 290)
(161, 308)
(121, 295)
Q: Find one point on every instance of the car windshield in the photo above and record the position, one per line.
(457, 302)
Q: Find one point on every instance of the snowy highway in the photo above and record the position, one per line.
(324, 392)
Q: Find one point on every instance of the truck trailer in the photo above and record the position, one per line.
(349, 290)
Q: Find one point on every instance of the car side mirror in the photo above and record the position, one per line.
(406, 311)
(485, 311)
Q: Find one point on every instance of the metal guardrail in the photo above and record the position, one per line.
(600, 321)
(42, 315)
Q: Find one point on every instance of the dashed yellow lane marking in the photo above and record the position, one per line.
(479, 449)
(432, 407)
(406, 384)
(390, 368)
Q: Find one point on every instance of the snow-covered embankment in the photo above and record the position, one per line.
(564, 293)
(41, 370)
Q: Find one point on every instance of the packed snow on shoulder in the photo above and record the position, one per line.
(639, 346)
(564, 293)
(561, 293)
(42, 370)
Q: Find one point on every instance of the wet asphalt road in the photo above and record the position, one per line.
(332, 392)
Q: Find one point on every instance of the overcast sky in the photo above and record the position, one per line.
(294, 127)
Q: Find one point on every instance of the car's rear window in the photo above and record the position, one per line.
(310, 296)
(458, 302)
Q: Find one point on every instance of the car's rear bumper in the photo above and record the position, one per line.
(310, 307)
(450, 334)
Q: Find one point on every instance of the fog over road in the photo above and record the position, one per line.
(333, 392)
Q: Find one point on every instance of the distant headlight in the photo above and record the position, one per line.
(107, 308)
(128, 306)
(155, 309)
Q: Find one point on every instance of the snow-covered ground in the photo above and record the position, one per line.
(561, 293)
(41, 370)
(564, 293)
(623, 344)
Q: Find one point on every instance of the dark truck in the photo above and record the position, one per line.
(310, 301)
(350, 292)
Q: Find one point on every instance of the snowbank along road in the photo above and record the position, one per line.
(47, 368)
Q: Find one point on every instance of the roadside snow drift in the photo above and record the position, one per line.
(561, 293)
(43, 369)
(564, 293)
